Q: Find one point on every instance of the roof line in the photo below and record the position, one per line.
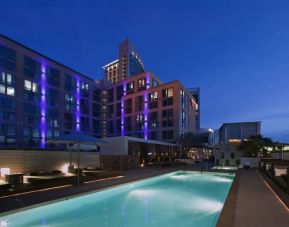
(50, 59)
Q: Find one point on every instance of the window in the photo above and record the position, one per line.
(7, 134)
(184, 119)
(52, 120)
(32, 68)
(222, 155)
(110, 95)
(70, 102)
(96, 95)
(153, 100)
(96, 110)
(119, 92)
(69, 121)
(232, 155)
(118, 109)
(169, 134)
(130, 87)
(152, 136)
(139, 122)
(110, 127)
(118, 125)
(52, 76)
(31, 136)
(7, 58)
(141, 84)
(70, 83)
(84, 106)
(84, 124)
(182, 94)
(153, 120)
(52, 97)
(7, 109)
(7, 84)
(139, 103)
(155, 83)
(84, 89)
(30, 86)
(168, 118)
(96, 126)
(110, 111)
(128, 106)
(127, 124)
(168, 96)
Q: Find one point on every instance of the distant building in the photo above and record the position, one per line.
(195, 92)
(230, 136)
(128, 64)
(210, 134)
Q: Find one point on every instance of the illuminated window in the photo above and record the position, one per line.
(30, 86)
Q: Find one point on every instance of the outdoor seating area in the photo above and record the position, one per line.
(16, 183)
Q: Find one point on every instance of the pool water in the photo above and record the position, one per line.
(179, 199)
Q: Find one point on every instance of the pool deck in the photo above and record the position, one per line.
(251, 207)
(256, 205)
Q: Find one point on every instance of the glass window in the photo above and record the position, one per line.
(141, 84)
(2, 89)
(30, 86)
(168, 96)
(10, 91)
(130, 87)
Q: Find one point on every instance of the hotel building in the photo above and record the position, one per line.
(128, 64)
(41, 98)
(230, 137)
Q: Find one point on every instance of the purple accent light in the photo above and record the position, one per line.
(77, 112)
(122, 109)
(146, 106)
(43, 106)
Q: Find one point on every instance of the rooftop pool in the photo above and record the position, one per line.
(179, 199)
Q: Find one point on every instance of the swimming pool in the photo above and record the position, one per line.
(180, 199)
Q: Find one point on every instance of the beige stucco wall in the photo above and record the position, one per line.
(25, 161)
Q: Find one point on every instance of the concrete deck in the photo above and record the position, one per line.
(256, 204)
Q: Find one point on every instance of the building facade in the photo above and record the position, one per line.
(41, 98)
(142, 106)
(230, 137)
(128, 64)
(196, 92)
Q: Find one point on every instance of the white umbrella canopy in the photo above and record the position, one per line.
(76, 138)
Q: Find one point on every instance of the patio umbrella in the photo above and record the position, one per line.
(76, 138)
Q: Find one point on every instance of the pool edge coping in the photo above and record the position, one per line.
(226, 218)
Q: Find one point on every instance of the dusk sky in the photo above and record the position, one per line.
(237, 53)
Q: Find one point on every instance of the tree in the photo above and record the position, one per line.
(256, 146)
(189, 140)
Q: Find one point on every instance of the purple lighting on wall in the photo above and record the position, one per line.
(77, 112)
(146, 106)
(122, 109)
(43, 106)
